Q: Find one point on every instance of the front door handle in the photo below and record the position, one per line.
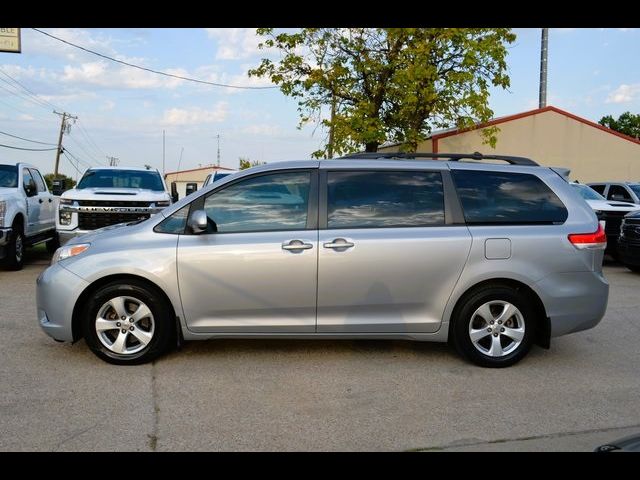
(40, 200)
(50, 200)
(338, 243)
(296, 245)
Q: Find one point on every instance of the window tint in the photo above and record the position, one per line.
(598, 188)
(502, 197)
(109, 178)
(384, 199)
(619, 192)
(268, 202)
(175, 223)
(8, 176)
(39, 181)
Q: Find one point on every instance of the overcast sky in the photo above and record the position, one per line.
(122, 111)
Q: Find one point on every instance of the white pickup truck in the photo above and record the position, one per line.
(107, 196)
(27, 213)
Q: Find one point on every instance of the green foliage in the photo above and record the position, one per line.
(388, 84)
(627, 123)
(246, 163)
(48, 178)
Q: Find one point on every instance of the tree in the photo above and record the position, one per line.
(388, 84)
(246, 163)
(627, 123)
(48, 178)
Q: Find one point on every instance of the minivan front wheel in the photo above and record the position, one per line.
(128, 324)
(494, 326)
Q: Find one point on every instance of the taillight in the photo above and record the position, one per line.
(592, 241)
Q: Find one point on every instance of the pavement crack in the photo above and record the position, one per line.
(519, 439)
(153, 436)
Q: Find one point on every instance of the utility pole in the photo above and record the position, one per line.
(333, 114)
(63, 126)
(113, 161)
(218, 137)
(543, 68)
(163, 150)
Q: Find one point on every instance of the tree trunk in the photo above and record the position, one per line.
(372, 147)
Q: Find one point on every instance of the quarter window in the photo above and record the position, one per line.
(384, 199)
(503, 197)
(277, 201)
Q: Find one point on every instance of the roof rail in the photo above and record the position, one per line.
(444, 156)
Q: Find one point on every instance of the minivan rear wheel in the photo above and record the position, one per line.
(128, 323)
(494, 326)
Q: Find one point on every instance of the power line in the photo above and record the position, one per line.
(71, 163)
(66, 150)
(84, 150)
(29, 149)
(90, 139)
(26, 139)
(30, 92)
(151, 70)
(15, 92)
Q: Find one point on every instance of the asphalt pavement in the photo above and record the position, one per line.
(285, 395)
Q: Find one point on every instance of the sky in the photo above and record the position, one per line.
(122, 111)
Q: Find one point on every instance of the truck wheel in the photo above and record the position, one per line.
(15, 249)
(54, 243)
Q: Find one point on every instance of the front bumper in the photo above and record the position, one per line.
(57, 291)
(5, 234)
(629, 252)
(573, 301)
(66, 235)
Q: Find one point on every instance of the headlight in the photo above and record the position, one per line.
(65, 217)
(69, 251)
(3, 210)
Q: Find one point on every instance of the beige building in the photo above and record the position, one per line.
(551, 137)
(195, 176)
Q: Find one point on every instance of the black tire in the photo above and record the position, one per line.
(164, 333)
(468, 305)
(53, 244)
(15, 249)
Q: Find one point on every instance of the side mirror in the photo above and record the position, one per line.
(30, 188)
(58, 187)
(174, 192)
(198, 221)
(191, 187)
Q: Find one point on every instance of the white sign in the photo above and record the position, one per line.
(10, 40)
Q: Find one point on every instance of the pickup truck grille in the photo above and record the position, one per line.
(613, 221)
(111, 203)
(92, 221)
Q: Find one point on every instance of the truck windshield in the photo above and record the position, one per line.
(148, 180)
(636, 189)
(8, 176)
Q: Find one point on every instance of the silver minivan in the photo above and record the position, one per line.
(492, 258)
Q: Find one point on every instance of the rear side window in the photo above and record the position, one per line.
(619, 193)
(39, 181)
(384, 199)
(502, 197)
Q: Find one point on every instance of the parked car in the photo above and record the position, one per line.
(493, 258)
(27, 213)
(618, 191)
(629, 241)
(108, 196)
(610, 212)
(626, 444)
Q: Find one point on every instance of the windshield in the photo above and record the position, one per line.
(636, 189)
(218, 176)
(149, 180)
(587, 193)
(8, 176)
